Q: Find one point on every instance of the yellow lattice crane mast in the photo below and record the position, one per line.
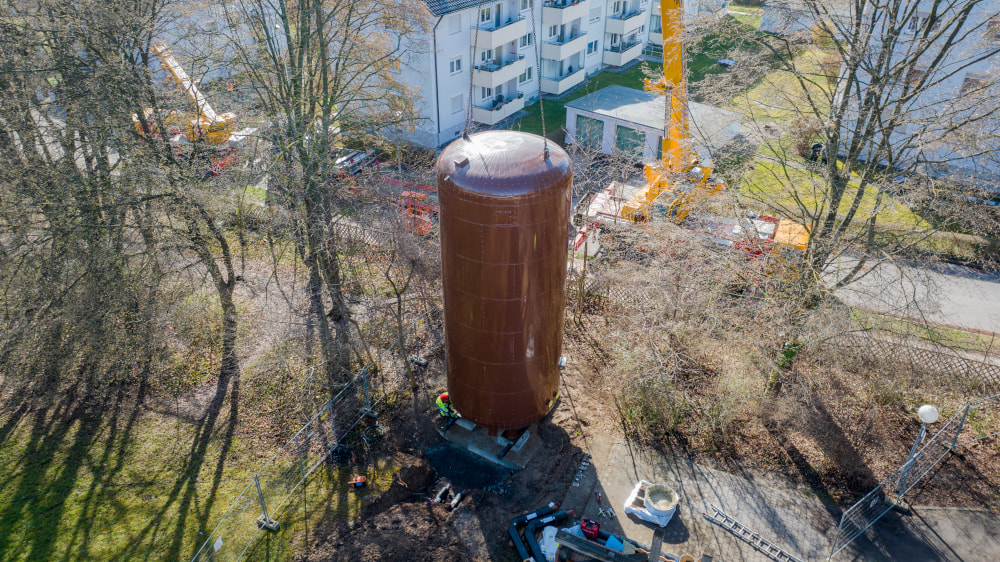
(678, 172)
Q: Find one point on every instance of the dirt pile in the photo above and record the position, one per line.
(404, 531)
(399, 525)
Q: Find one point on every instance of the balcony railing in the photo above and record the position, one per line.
(557, 84)
(498, 109)
(491, 67)
(563, 75)
(500, 101)
(622, 47)
(561, 3)
(626, 17)
(492, 26)
(566, 39)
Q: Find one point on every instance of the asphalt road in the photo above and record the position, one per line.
(945, 294)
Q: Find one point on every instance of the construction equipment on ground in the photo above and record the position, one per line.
(416, 213)
(678, 180)
(215, 131)
(778, 243)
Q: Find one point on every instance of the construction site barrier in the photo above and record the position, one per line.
(960, 430)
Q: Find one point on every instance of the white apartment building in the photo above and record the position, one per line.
(692, 9)
(574, 38)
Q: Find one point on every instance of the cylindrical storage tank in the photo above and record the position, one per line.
(504, 220)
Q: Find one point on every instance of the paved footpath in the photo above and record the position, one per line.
(792, 519)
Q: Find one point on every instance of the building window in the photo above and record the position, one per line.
(589, 132)
(595, 14)
(630, 142)
(614, 39)
(484, 15)
(642, 28)
(454, 23)
(617, 7)
(527, 39)
(921, 21)
(973, 83)
(486, 56)
(592, 47)
(455, 66)
(553, 31)
(993, 30)
(457, 104)
(526, 4)
(525, 76)
(655, 25)
(487, 93)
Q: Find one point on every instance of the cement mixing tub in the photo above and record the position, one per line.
(655, 503)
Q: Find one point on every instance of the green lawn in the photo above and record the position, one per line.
(950, 337)
(110, 480)
(555, 111)
(779, 186)
(749, 17)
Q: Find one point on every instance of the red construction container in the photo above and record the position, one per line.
(590, 528)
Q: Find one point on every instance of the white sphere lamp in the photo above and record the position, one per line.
(927, 413)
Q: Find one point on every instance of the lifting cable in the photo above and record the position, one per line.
(472, 69)
(538, 74)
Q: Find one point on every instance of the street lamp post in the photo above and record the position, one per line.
(927, 414)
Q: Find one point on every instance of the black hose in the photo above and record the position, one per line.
(529, 531)
(515, 537)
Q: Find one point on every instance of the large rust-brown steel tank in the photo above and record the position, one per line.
(504, 219)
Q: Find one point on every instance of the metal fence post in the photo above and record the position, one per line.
(836, 537)
(333, 427)
(366, 410)
(264, 521)
(900, 489)
(961, 423)
(298, 450)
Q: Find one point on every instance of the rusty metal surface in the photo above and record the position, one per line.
(504, 224)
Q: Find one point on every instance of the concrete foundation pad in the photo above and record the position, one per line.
(478, 440)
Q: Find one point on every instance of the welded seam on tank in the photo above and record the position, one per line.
(485, 331)
(496, 363)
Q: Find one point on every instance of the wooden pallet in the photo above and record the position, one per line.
(749, 536)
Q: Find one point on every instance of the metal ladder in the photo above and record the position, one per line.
(749, 536)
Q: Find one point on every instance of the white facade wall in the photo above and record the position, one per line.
(580, 43)
(692, 9)
(976, 158)
(653, 135)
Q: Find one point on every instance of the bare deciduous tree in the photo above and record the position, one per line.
(326, 73)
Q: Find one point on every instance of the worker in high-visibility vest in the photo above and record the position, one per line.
(445, 407)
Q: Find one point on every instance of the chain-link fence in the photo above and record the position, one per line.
(956, 431)
(270, 488)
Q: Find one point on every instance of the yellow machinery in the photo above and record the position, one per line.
(678, 173)
(205, 125)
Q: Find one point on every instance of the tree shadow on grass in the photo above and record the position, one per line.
(49, 515)
(62, 436)
(184, 491)
(826, 430)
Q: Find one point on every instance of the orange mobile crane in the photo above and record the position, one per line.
(205, 125)
(678, 173)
